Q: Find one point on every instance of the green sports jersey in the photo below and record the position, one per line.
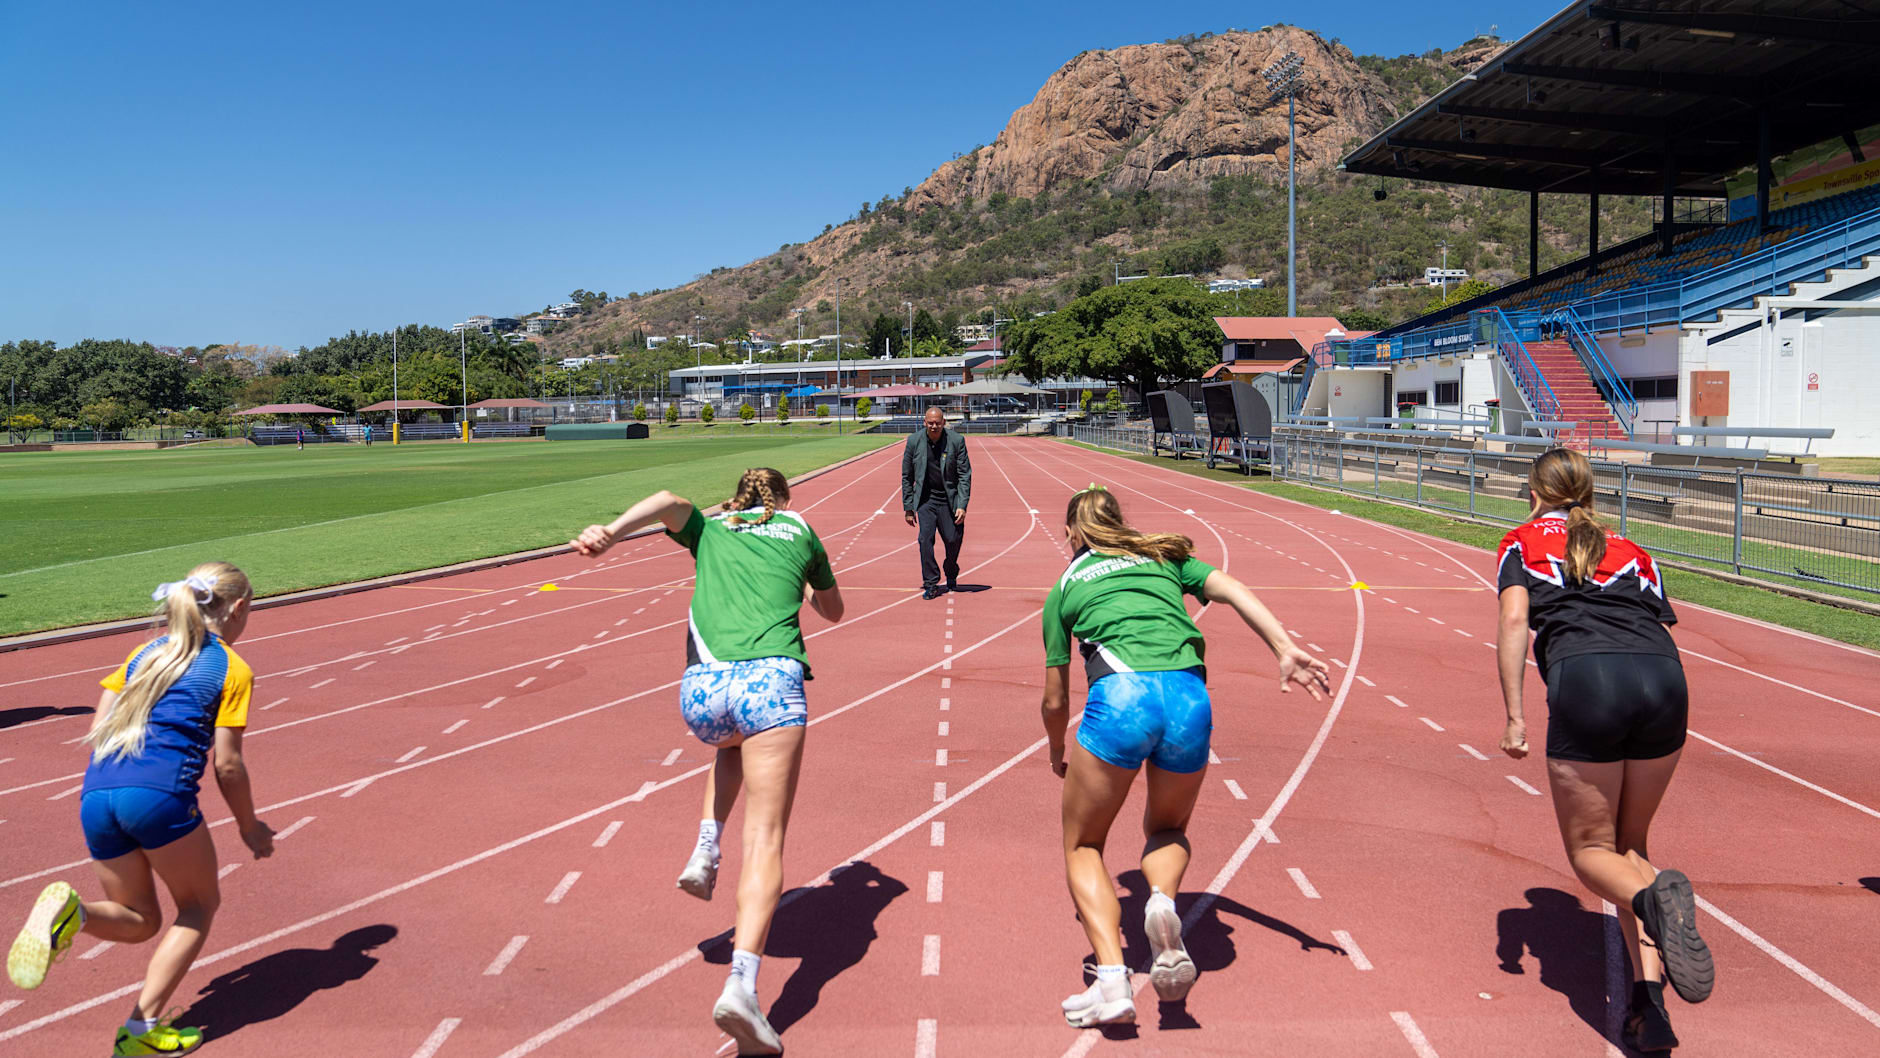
(750, 585)
(1126, 614)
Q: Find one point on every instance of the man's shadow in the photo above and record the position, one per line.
(1872, 884)
(968, 588)
(1569, 943)
(29, 713)
(829, 927)
(1210, 941)
(275, 984)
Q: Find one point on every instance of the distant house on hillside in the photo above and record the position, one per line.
(1257, 345)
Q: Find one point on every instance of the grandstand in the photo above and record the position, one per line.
(1763, 322)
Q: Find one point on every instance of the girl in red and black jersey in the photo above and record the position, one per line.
(1616, 711)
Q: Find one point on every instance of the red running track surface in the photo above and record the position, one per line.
(484, 793)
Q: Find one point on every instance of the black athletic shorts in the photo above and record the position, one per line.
(1609, 707)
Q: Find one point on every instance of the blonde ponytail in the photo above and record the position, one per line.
(1098, 520)
(1563, 480)
(189, 607)
(759, 485)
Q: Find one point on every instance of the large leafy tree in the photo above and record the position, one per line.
(884, 333)
(1142, 333)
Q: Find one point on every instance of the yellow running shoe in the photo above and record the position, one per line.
(56, 918)
(162, 1038)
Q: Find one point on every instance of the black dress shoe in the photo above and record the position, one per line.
(953, 585)
(931, 591)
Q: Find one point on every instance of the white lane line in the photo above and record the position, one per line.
(622, 621)
(1516, 779)
(323, 683)
(97, 949)
(1390, 600)
(1305, 887)
(395, 642)
(944, 728)
(1472, 751)
(272, 704)
(602, 634)
(428, 1049)
(672, 758)
(936, 886)
(63, 794)
(525, 682)
(1459, 631)
(946, 683)
(290, 829)
(409, 755)
(433, 628)
(452, 728)
(1434, 726)
(1234, 789)
(1435, 621)
(1213, 758)
(1618, 975)
(1418, 1042)
(562, 887)
(608, 832)
(9, 1004)
(1366, 682)
(358, 787)
(1830, 794)
(1414, 610)
(926, 1038)
(1806, 974)
(1315, 648)
(555, 663)
(365, 665)
(946, 704)
(493, 702)
(1355, 953)
(1396, 701)
(930, 956)
(940, 757)
(937, 833)
(504, 957)
(939, 792)
(226, 870)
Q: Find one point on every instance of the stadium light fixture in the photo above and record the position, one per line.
(1282, 81)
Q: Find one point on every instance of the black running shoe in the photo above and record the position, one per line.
(1648, 1027)
(1667, 912)
(931, 591)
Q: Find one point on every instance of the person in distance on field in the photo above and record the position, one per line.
(1121, 599)
(175, 704)
(936, 482)
(742, 694)
(1616, 714)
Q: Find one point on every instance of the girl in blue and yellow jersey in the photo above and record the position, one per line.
(175, 704)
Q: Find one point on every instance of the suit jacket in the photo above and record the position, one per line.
(956, 470)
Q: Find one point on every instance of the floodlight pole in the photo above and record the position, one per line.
(909, 306)
(395, 385)
(1283, 79)
(838, 355)
(463, 366)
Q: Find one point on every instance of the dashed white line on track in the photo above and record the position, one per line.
(504, 957)
(1472, 751)
(945, 704)
(1396, 701)
(323, 683)
(944, 728)
(1338, 662)
(1414, 610)
(1352, 951)
(1516, 779)
(409, 755)
(936, 886)
(939, 792)
(1315, 648)
(525, 683)
(226, 870)
(1418, 1042)
(1305, 887)
(555, 663)
(1434, 726)
(672, 758)
(1435, 621)
(1234, 789)
(1459, 631)
(930, 955)
(395, 642)
(364, 665)
(1366, 682)
(272, 704)
(97, 949)
(946, 682)
(288, 831)
(603, 634)
(63, 794)
(940, 757)
(493, 702)
(937, 833)
(562, 887)
(608, 832)
(428, 1049)
(926, 1038)
(9, 1004)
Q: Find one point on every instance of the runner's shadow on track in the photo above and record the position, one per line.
(1873, 884)
(971, 588)
(1569, 943)
(828, 927)
(30, 713)
(1210, 941)
(275, 984)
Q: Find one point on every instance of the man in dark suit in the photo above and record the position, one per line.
(936, 479)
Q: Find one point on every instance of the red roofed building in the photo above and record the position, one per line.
(1258, 345)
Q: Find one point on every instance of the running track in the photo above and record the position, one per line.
(483, 793)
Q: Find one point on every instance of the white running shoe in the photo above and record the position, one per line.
(1171, 971)
(736, 1014)
(1103, 1003)
(700, 876)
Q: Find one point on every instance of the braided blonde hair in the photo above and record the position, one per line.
(759, 485)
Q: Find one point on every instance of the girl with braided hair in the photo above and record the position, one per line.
(742, 694)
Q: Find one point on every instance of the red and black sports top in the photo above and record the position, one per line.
(1620, 609)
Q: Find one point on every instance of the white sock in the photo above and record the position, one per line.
(744, 966)
(1158, 899)
(137, 1025)
(708, 834)
(1112, 973)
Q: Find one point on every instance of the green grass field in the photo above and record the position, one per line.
(90, 534)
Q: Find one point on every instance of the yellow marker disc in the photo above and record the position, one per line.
(550, 587)
(1360, 585)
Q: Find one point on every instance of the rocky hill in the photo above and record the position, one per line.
(1164, 156)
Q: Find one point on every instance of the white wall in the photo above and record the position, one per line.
(1653, 355)
(1770, 367)
(1475, 372)
(1355, 393)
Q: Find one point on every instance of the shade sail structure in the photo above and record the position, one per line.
(992, 387)
(897, 391)
(407, 405)
(290, 409)
(509, 402)
(1253, 367)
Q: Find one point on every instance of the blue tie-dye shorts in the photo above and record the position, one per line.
(720, 699)
(1161, 717)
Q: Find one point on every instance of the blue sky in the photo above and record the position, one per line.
(278, 173)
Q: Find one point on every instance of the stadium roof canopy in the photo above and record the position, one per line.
(1611, 97)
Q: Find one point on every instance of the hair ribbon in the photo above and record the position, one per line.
(1092, 487)
(202, 585)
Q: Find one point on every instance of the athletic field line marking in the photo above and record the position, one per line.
(453, 728)
(1823, 791)
(226, 869)
(926, 1038)
(9, 1004)
(409, 755)
(930, 955)
(1352, 951)
(1366, 682)
(63, 794)
(494, 702)
(323, 683)
(365, 665)
(504, 957)
(937, 833)
(940, 757)
(555, 663)
(944, 728)
(272, 704)
(608, 832)
(936, 886)
(1234, 789)
(562, 887)
(1618, 978)
(1408, 1026)
(1795, 965)
(1472, 751)
(672, 758)
(939, 792)
(1516, 779)
(429, 1048)
(292, 828)
(1436, 621)
(1433, 725)
(1305, 887)
(531, 679)
(1396, 701)
(1414, 610)
(97, 949)
(945, 704)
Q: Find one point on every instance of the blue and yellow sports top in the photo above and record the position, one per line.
(213, 692)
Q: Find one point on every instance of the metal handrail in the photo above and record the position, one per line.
(1502, 333)
(1618, 395)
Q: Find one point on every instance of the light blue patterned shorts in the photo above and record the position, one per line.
(1161, 717)
(720, 699)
